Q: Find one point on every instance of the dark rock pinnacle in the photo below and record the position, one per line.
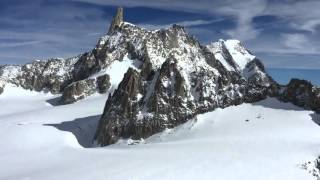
(116, 21)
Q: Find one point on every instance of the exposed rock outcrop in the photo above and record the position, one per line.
(313, 168)
(1, 88)
(103, 83)
(55, 75)
(52, 75)
(120, 109)
(78, 90)
(301, 93)
(116, 21)
(179, 78)
(81, 89)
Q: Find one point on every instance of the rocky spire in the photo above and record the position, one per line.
(116, 21)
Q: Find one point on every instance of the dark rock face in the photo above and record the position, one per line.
(259, 82)
(85, 66)
(140, 108)
(103, 83)
(52, 75)
(117, 20)
(58, 76)
(78, 90)
(81, 89)
(302, 93)
(312, 167)
(120, 109)
(189, 81)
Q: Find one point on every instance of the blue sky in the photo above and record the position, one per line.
(284, 34)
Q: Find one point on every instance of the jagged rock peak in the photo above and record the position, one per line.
(179, 79)
(116, 21)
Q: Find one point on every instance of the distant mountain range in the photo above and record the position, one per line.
(283, 75)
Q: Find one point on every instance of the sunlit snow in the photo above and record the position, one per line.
(266, 140)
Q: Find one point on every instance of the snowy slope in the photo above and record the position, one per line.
(241, 56)
(116, 71)
(267, 140)
(231, 53)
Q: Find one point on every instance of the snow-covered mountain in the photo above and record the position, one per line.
(190, 110)
(125, 46)
(155, 79)
(178, 79)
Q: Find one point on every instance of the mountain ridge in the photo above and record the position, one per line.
(177, 81)
(156, 79)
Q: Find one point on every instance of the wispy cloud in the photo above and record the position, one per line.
(296, 41)
(17, 44)
(243, 12)
(288, 44)
(40, 29)
(48, 28)
(303, 15)
(190, 23)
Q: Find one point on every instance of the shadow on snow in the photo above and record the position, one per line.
(54, 101)
(315, 118)
(276, 104)
(273, 103)
(82, 128)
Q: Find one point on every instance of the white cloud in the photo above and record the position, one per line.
(303, 15)
(40, 31)
(70, 28)
(296, 41)
(17, 44)
(182, 23)
(244, 31)
(294, 44)
(242, 11)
